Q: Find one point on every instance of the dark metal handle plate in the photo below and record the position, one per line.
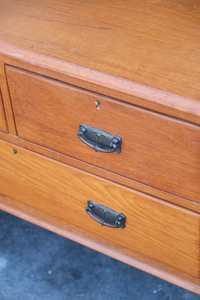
(105, 216)
(99, 140)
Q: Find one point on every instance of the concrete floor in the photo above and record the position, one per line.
(36, 264)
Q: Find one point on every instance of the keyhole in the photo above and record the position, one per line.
(15, 152)
(97, 103)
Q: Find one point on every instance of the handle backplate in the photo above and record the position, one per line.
(99, 140)
(105, 216)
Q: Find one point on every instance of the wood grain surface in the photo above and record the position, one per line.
(191, 205)
(154, 228)
(141, 41)
(100, 244)
(158, 151)
(142, 48)
(3, 125)
(6, 101)
(191, 6)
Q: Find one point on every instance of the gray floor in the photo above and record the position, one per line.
(38, 264)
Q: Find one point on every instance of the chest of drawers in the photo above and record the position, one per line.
(74, 77)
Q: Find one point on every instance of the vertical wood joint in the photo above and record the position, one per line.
(6, 100)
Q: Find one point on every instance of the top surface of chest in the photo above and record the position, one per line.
(149, 43)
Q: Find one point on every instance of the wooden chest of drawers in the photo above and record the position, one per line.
(129, 73)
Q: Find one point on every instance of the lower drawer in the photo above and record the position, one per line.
(157, 229)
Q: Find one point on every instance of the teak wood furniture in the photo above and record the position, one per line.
(122, 78)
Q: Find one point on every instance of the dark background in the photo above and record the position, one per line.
(36, 264)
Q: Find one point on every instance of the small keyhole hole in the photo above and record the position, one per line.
(15, 152)
(97, 103)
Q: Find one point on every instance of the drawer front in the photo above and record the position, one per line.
(156, 150)
(154, 228)
(3, 125)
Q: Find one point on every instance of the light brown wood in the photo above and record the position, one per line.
(142, 52)
(6, 101)
(150, 45)
(49, 113)
(191, 205)
(154, 228)
(128, 91)
(3, 125)
(100, 244)
(143, 42)
(191, 6)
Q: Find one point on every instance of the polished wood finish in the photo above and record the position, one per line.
(49, 113)
(128, 91)
(191, 205)
(149, 56)
(3, 125)
(191, 6)
(136, 40)
(143, 53)
(6, 100)
(63, 191)
(100, 244)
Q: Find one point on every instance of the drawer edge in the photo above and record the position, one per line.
(99, 244)
(96, 81)
(93, 170)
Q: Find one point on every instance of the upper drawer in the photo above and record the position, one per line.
(156, 150)
(3, 125)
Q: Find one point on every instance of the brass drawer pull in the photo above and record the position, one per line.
(105, 216)
(99, 140)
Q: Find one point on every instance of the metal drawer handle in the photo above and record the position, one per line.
(99, 140)
(105, 216)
